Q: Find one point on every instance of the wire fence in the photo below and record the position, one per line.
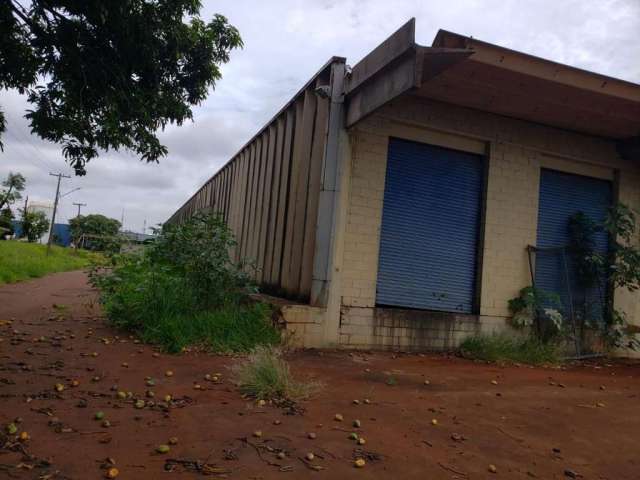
(583, 307)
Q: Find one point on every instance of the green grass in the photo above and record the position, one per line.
(509, 349)
(233, 328)
(22, 261)
(266, 375)
(161, 309)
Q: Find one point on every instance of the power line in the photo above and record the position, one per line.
(42, 166)
(35, 148)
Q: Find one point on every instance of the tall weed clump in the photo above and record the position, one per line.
(266, 375)
(184, 290)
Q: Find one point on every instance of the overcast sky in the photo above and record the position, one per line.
(286, 41)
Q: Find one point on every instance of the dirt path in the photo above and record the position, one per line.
(531, 423)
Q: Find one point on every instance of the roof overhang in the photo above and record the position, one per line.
(475, 74)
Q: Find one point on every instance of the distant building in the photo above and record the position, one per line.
(137, 237)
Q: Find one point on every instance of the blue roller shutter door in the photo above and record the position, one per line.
(561, 196)
(430, 226)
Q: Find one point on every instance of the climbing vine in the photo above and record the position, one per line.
(592, 270)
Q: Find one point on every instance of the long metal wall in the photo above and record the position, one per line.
(268, 192)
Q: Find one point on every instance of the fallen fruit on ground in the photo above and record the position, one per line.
(122, 395)
(163, 448)
(257, 433)
(434, 421)
(359, 463)
(311, 435)
(310, 456)
(112, 473)
(139, 404)
(169, 373)
(492, 468)
(58, 387)
(353, 436)
(24, 437)
(173, 441)
(99, 415)
(11, 429)
(361, 441)
(356, 423)
(338, 417)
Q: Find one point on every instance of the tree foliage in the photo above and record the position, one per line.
(106, 75)
(99, 230)
(6, 222)
(13, 186)
(34, 225)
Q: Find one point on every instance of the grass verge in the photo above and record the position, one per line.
(509, 349)
(22, 260)
(265, 375)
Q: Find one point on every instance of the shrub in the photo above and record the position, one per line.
(184, 290)
(266, 375)
(198, 252)
(510, 348)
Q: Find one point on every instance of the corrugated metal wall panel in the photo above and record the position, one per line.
(561, 196)
(430, 225)
(268, 193)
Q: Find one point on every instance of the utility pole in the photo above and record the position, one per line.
(80, 205)
(55, 208)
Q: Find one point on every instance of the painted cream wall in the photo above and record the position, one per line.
(516, 151)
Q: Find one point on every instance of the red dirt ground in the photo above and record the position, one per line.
(541, 423)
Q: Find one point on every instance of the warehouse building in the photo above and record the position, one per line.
(394, 203)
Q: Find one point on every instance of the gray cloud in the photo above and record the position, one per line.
(285, 43)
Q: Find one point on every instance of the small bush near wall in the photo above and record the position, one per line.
(184, 291)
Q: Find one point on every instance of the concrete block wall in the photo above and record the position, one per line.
(515, 151)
